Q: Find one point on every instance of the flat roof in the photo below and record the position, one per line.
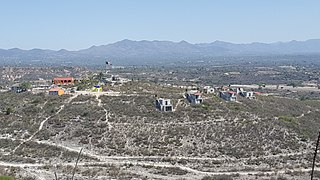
(63, 78)
(54, 89)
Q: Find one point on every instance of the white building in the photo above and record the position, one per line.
(248, 94)
(208, 90)
(164, 105)
(194, 97)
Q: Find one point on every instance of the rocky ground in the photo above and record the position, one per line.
(124, 136)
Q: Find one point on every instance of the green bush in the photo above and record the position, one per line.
(289, 119)
(6, 178)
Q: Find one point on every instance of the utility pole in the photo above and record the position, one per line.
(315, 155)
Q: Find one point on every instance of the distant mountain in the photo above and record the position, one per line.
(150, 52)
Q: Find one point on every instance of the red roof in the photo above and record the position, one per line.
(63, 79)
(54, 89)
(259, 93)
(231, 92)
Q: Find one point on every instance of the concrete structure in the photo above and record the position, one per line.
(208, 90)
(248, 94)
(194, 97)
(63, 81)
(115, 78)
(239, 90)
(164, 105)
(56, 92)
(228, 95)
(16, 88)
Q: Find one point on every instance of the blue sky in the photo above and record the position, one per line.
(78, 24)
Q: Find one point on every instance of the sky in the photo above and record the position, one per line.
(79, 24)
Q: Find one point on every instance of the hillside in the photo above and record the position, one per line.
(126, 137)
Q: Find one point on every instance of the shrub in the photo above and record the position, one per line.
(6, 178)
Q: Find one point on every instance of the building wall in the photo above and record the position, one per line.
(56, 93)
(228, 97)
(63, 82)
(193, 99)
(164, 105)
(60, 92)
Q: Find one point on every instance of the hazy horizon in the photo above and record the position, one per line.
(75, 25)
(160, 41)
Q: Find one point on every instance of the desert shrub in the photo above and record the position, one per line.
(6, 178)
(288, 119)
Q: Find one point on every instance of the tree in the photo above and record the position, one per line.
(25, 85)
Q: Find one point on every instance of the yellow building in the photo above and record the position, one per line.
(56, 91)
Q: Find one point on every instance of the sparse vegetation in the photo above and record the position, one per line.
(251, 135)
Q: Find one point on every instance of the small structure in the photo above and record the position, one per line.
(208, 89)
(239, 90)
(115, 78)
(63, 81)
(56, 91)
(194, 97)
(16, 88)
(248, 94)
(97, 88)
(228, 95)
(164, 105)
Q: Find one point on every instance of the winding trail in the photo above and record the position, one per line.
(105, 110)
(166, 165)
(121, 159)
(42, 123)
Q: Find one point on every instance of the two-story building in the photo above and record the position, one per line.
(228, 95)
(164, 105)
(248, 94)
(194, 97)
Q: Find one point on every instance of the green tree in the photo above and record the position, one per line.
(25, 85)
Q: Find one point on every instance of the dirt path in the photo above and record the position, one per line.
(178, 123)
(177, 105)
(105, 110)
(165, 165)
(42, 123)
(114, 159)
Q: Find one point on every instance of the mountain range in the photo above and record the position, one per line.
(127, 52)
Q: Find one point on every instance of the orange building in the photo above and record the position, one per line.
(63, 81)
(56, 91)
